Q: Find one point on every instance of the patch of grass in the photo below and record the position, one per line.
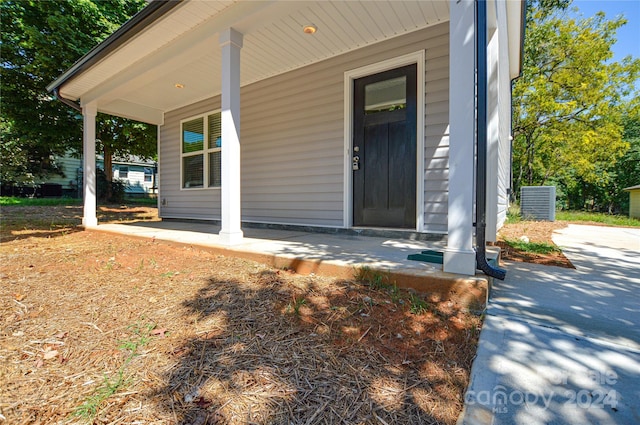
(533, 247)
(380, 282)
(295, 305)
(141, 335)
(362, 274)
(374, 278)
(89, 409)
(608, 219)
(513, 214)
(396, 295)
(418, 305)
(7, 201)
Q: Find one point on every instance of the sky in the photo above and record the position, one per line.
(629, 35)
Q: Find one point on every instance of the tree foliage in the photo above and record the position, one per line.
(40, 40)
(626, 171)
(570, 102)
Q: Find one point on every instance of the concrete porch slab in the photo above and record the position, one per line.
(334, 255)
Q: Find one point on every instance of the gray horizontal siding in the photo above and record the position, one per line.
(199, 204)
(292, 143)
(436, 133)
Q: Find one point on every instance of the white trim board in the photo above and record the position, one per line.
(417, 58)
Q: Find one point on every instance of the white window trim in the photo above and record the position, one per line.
(205, 152)
(417, 58)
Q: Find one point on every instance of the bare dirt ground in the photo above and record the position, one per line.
(105, 329)
(535, 231)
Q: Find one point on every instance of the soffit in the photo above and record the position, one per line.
(152, 39)
(183, 47)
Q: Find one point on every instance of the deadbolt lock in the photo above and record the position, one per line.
(356, 163)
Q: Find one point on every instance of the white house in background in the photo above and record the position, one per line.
(138, 175)
(344, 114)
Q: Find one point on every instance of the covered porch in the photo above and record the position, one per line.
(204, 57)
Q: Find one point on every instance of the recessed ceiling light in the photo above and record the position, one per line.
(309, 29)
(179, 86)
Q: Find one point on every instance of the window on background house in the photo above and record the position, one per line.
(148, 175)
(201, 151)
(123, 172)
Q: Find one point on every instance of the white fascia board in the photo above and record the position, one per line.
(133, 111)
(514, 29)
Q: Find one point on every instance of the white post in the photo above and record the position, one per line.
(493, 136)
(231, 43)
(459, 256)
(89, 113)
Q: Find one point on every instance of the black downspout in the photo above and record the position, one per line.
(481, 144)
(67, 102)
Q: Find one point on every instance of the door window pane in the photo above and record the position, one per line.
(387, 95)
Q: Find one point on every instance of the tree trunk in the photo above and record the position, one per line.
(108, 172)
(530, 157)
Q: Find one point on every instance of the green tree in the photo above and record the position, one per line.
(115, 137)
(570, 101)
(627, 169)
(39, 41)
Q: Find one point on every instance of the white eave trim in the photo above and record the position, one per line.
(134, 111)
(515, 22)
(147, 16)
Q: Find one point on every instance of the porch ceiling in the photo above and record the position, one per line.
(138, 79)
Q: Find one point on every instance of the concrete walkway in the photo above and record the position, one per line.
(562, 346)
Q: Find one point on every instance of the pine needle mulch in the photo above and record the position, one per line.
(97, 328)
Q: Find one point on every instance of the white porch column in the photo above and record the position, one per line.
(459, 256)
(493, 137)
(89, 113)
(231, 43)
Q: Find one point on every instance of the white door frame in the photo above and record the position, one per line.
(417, 58)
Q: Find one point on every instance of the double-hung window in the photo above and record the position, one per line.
(201, 146)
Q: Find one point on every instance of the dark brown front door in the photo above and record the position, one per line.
(384, 149)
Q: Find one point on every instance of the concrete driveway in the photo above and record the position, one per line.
(562, 346)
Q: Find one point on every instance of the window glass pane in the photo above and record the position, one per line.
(215, 131)
(387, 95)
(192, 171)
(193, 135)
(124, 172)
(214, 169)
(148, 174)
